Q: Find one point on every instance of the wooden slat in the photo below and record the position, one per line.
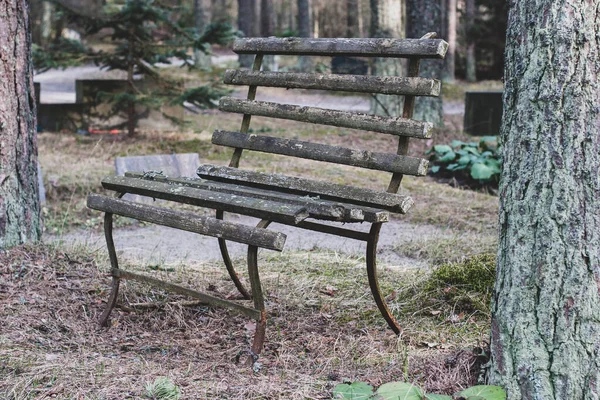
(322, 152)
(189, 222)
(372, 198)
(314, 115)
(206, 298)
(349, 83)
(317, 208)
(258, 208)
(367, 47)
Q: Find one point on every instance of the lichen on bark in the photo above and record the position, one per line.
(545, 339)
(19, 201)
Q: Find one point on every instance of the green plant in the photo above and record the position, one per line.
(162, 389)
(408, 391)
(471, 163)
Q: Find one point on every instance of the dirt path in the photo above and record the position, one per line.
(157, 244)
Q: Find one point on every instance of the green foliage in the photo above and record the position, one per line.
(468, 285)
(145, 34)
(408, 391)
(162, 389)
(472, 163)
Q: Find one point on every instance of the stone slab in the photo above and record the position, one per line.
(171, 165)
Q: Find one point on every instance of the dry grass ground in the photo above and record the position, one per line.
(324, 327)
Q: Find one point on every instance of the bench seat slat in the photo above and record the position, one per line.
(317, 208)
(274, 211)
(372, 198)
(188, 222)
(363, 47)
(323, 116)
(349, 83)
(321, 152)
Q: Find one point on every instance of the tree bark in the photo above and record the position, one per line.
(353, 19)
(248, 24)
(387, 20)
(201, 60)
(450, 36)
(19, 192)
(267, 29)
(545, 337)
(425, 16)
(471, 63)
(305, 64)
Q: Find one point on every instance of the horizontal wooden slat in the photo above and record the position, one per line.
(206, 298)
(308, 187)
(321, 152)
(316, 207)
(364, 47)
(349, 83)
(189, 222)
(252, 207)
(345, 119)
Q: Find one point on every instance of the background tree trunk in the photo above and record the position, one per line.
(305, 30)
(545, 337)
(449, 35)
(248, 24)
(425, 16)
(267, 28)
(471, 64)
(353, 19)
(19, 192)
(387, 20)
(201, 60)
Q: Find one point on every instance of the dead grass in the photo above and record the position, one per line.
(323, 329)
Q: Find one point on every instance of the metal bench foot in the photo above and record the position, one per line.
(374, 283)
(104, 319)
(229, 264)
(257, 297)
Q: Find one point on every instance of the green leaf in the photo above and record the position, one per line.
(494, 164)
(481, 172)
(464, 160)
(457, 143)
(472, 150)
(435, 169)
(449, 156)
(400, 391)
(484, 392)
(442, 148)
(488, 139)
(354, 391)
(437, 397)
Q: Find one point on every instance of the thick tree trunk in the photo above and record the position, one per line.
(19, 192)
(353, 19)
(387, 20)
(425, 16)
(305, 64)
(450, 36)
(46, 24)
(248, 24)
(471, 64)
(201, 60)
(545, 339)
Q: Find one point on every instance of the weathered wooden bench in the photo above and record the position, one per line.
(288, 200)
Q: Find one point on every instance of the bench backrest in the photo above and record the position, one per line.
(404, 127)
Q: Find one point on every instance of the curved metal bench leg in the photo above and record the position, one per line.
(374, 283)
(257, 296)
(114, 263)
(229, 264)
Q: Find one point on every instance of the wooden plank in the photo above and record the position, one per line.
(316, 207)
(367, 47)
(322, 152)
(308, 187)
(314, 115)
(258, 208)
(349, 83)
(206, 298)
(189, 222)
